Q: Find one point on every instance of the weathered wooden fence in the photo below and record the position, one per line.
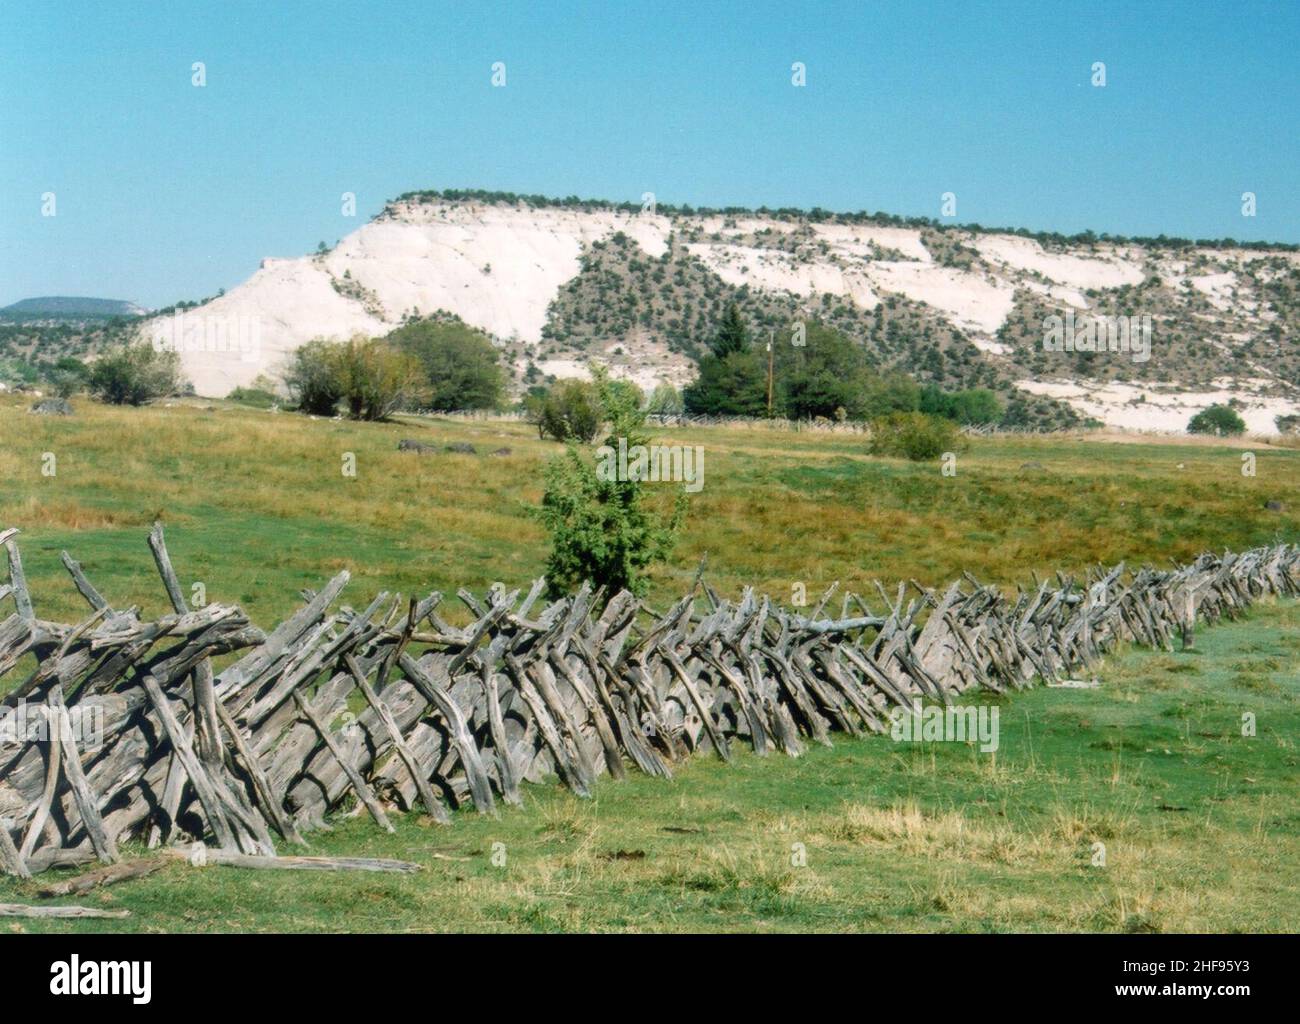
(392, 706)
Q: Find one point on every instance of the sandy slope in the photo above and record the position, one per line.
(1137, 407)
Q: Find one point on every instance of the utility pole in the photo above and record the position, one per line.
(770, 335)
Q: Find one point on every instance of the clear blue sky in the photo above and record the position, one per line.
(166, 191)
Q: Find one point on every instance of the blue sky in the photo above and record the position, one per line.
(165, 191)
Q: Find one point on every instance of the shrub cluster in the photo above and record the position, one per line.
(575, 410)
(134, 374)
(914, 435)
(1219, 420)
(439, 364)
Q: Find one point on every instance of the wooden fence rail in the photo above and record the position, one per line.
(121, 728)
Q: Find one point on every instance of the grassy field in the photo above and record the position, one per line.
(1200, 825)
(257, 507)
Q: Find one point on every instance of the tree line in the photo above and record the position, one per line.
(816, 372)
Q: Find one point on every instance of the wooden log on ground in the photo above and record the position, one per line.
(223, 858)
(24, 910)
(111, 875)
(10, 859)
(437, 695)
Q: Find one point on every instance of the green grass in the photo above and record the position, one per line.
(257, 508)
(1200, 824)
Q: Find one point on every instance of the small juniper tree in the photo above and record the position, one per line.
(603, 530)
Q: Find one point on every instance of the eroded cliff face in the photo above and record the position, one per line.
(1222, 321)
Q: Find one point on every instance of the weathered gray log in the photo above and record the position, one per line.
(25, 910)
(271, 803)
(87, 802)
(10, 859)
(111, 875)
(480, 788)
(53, 756)
(17, 581)
(203, 785)
(363, 791)
(431, 803)
(208, 729)
(224, 858)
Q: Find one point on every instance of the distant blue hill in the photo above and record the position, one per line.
(69, 307)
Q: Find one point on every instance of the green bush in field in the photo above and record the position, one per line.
(913, 435)
(571, 410)
(371, 376)
(665, 400)
(376, 378)
(257, 398)
(1219, 420)
(135, 374)
(67, 376)
(601, 529)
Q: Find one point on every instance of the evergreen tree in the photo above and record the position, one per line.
(732, 336)
(734, 385)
